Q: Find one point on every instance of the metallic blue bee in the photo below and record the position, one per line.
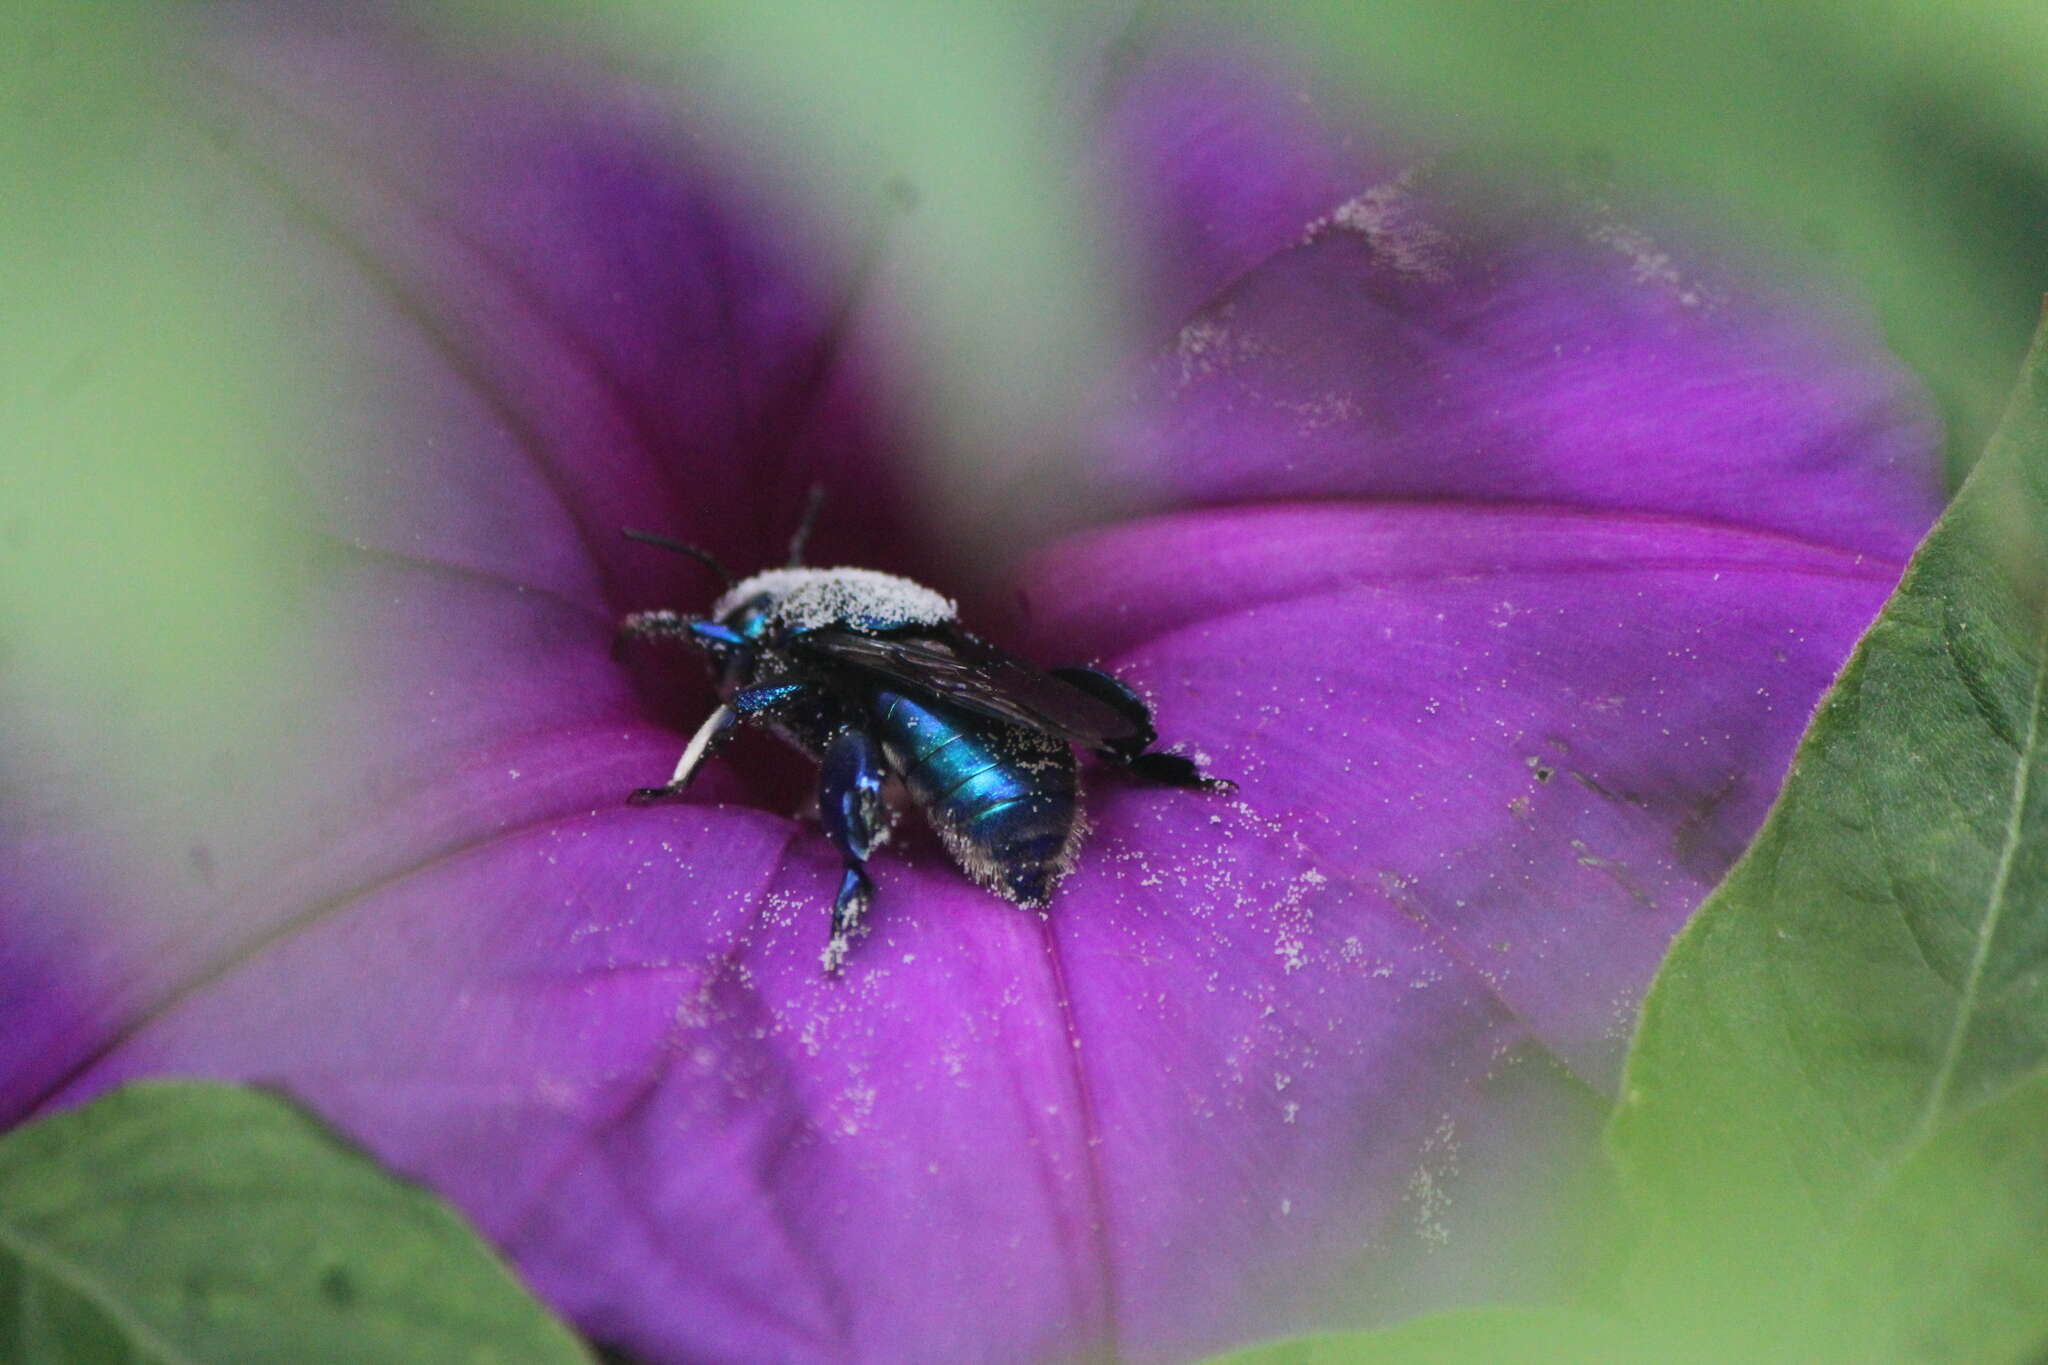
(872, 676)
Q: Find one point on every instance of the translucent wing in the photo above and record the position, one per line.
(973, 674)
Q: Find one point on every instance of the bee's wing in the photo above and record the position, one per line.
(975, 675)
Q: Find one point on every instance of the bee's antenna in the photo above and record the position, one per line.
(704, 557)
(814, 500)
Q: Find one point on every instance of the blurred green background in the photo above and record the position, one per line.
(1900, 149)
(148, 556)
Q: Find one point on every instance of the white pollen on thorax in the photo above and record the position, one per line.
(805, 599)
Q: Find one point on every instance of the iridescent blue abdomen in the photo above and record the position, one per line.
(1003, 798)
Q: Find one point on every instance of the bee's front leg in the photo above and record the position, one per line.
(716, 729)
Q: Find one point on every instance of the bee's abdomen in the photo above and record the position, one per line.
(1004, 799)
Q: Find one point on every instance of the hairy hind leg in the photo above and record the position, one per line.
(1131, 753)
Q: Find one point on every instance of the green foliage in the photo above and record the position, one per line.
(178, 1224)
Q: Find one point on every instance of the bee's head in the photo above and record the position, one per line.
(758, 615)
(734, 637)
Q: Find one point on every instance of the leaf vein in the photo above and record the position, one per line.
(1994, 911)
(1956, 655)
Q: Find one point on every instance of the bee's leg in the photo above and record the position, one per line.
(1171, 770)
(716, 729)
(756, 701)
(1168, 770)
(856, 819)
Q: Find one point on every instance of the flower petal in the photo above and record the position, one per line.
(608, 1038)
(538, 315)
(1001, 1136)
(1218, 158)
(1490, 756)
(1414, 346)
(1542, 734)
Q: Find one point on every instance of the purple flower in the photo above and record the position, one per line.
(1499, 550)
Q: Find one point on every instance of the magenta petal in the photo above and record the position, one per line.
(1224, 1061)
(1543, 735)
(473, 707)
(1414, 347)
(1000, 1137)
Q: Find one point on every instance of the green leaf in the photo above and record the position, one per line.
(1950, 1260)
(176, 1224)
(1488, 1336)
(1875, 964)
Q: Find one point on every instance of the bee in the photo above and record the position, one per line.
(873, 677)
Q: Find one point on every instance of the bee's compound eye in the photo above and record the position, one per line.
(750, 618)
